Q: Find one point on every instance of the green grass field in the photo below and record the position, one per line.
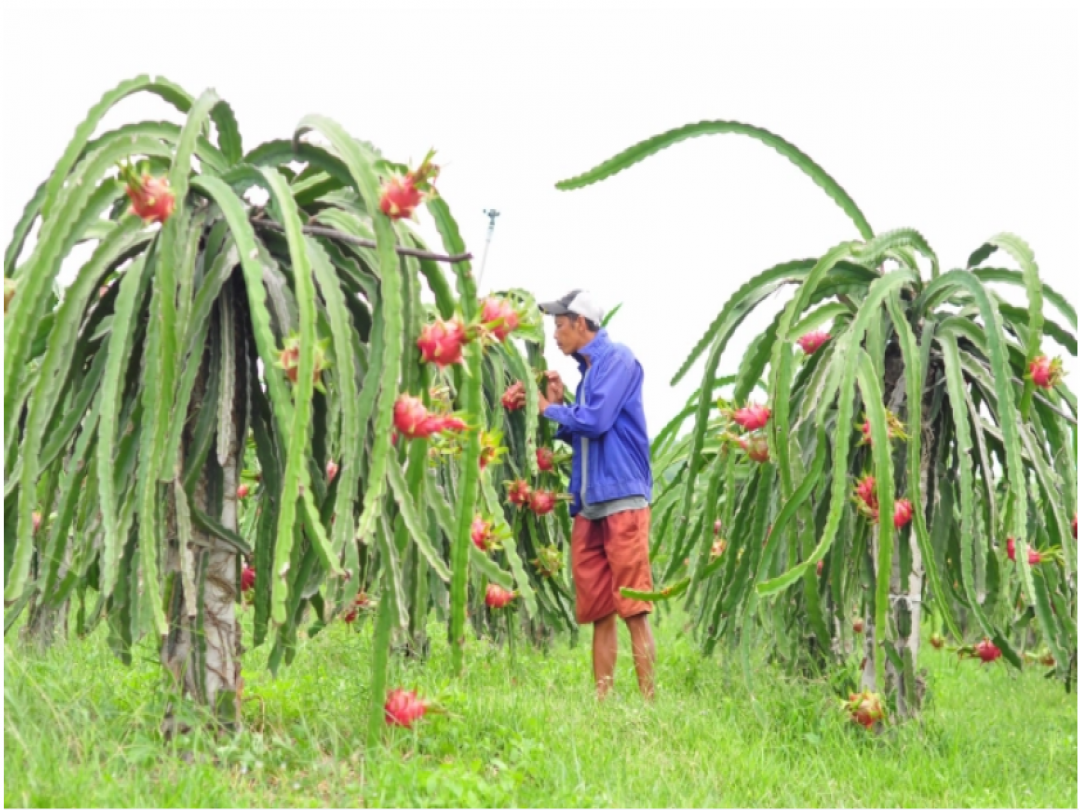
(81, 730)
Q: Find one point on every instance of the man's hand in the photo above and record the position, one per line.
(556, 391)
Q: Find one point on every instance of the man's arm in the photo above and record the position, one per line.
(611, 384)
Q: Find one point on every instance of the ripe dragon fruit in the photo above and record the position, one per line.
(1044, 372)
(242, 491)
(756, 447)
(820, 567)
(1074, 526)
(499, 317)
(716, 527)
(902, 512)
(361, 602)
(400, 198)
(987, 651)
(545, 459)
(1034, 557)
(752, 417)
(519, 492)
(512, 402)
(443, 342)
(496, 597)
(35, 518)
(1010, 548)
(247, 579)
(403, 708)
(812, 341)
(151, 198)
(866, 493)
(331, 471)
(542, 502)
(857, 625)
(409, 415)
(481, 533)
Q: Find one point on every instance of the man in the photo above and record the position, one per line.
(611, 484)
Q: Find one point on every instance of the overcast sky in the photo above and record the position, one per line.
(958, 120)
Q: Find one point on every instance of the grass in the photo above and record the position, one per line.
(81, 730)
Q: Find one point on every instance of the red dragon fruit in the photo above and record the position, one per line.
(35, 518)
(756, 447)
(497, 597)
(752, 417)
(820, 567)
(866, 492)
(902, 512)
(519, 492)
(545, 459)
(857, 625)
(242, 491)
(443, 342)
(1034, 557)
(400, 196)
(511, 401)
(1044, 372)
(247, 579)
(481, 533)
(1010, 548)
(403, 708)
(716, 527)
(542, 501)
(409, 415)
(500, 312)
(987, 651)
(812, 341)
(151, 198)
(1074, 526)
(331, 471)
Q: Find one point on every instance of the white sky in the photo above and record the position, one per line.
(960, 120)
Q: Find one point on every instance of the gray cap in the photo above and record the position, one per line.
(576, 302)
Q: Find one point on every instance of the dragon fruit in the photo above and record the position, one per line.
(501, 313)
(866, 708)
(902, 512)
(331, 470)
(151, 198)
(1044, 372)
(752, 417)
(519, 492)
(542, 502)
(247, 579)
(497, 597)
(812, 341)
(443, 342)
(545, 459)
(481, 533)
(987, 651)
(756, 447)
(403, 708)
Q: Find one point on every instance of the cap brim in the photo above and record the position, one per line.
(554, 308)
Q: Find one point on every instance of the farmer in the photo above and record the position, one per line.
(611, 483)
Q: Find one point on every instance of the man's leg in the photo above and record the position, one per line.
(594, 602)
(627, 549)
(641, 641)
(605, 649)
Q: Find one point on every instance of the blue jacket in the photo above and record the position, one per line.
(613, 419)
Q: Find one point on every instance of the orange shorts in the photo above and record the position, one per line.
(608, 554)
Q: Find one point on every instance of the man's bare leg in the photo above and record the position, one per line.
(641, 639)
(605, 648)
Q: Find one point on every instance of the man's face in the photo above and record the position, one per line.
(570, 334)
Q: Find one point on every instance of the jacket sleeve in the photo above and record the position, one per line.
(611, 384)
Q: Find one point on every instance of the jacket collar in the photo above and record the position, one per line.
(594, 349)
